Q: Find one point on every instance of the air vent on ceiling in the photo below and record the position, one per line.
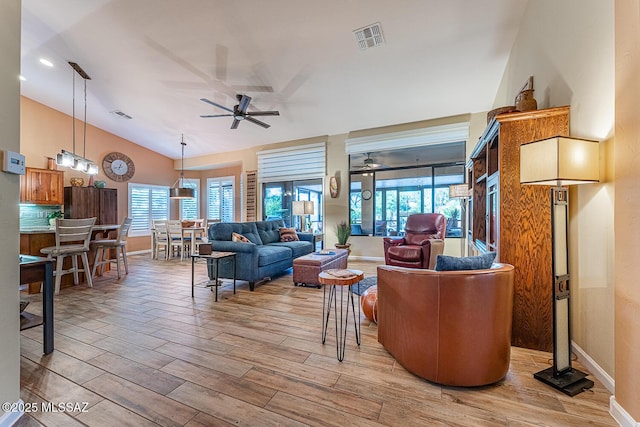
(369, 36)
(121, 114)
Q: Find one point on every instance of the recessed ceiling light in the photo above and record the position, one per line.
(22, 78)
(46, 62)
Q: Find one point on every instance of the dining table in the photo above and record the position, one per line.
(194, 233)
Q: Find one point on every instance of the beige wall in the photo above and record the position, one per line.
(9, 215)
(627, 207)
(45, 131)
(573, 65)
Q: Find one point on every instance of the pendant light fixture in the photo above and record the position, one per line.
(178, 190)
(71, 159)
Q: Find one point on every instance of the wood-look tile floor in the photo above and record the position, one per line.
(142, 352)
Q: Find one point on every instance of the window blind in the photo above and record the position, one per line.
(220, 197)
(190, 208)
(442, 134)
(291, 163)
(146, 203)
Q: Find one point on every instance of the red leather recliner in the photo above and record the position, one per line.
(423, 240)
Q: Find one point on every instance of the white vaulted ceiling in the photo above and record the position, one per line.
(154, 60)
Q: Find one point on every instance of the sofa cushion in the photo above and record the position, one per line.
(269, 254)
(288, 234)
(225, 230)
(239, 238)
(478, 262)
(298, 247)
(269, 231)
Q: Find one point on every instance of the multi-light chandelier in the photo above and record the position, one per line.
(71, 159)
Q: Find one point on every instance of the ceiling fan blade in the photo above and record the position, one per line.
(235, 124)
(216, 105)
(244, 103)
(208, 116)
(264, 113)
(257, 122)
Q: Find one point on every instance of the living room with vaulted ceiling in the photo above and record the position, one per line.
(573, 65)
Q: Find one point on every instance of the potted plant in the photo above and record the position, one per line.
(343, 232)
(52, 216)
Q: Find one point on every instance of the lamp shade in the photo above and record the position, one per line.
(182, 193)
(297, 208)
(457, 191)
(308, 208)
(559, 161)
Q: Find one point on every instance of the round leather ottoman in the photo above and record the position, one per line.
(369, 303)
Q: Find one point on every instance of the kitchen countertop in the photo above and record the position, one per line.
(44, 230)
(37, 230)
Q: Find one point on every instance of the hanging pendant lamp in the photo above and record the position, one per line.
(178, 190)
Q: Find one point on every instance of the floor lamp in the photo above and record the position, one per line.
(560, 161)
(461, 191)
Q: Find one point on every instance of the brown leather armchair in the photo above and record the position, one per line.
(449, 327)
(423, 240)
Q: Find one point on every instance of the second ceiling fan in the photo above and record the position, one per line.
(240, 112)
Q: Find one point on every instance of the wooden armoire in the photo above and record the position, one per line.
(514, 220)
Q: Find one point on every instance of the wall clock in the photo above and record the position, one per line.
(366, 194)
(118, 167)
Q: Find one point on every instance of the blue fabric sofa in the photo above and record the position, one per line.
(263, 256)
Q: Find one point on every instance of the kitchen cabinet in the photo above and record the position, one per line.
(514, 220)
(42, 186)
(87, 202)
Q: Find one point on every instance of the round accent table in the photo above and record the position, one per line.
(333, 279)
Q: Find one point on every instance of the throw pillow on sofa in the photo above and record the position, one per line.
(288, 234)
(452, 263)
(237, 237)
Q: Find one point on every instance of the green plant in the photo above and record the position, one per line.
(55, 214)
(451, 210)
(343, 231)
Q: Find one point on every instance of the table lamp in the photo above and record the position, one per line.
(560, 161)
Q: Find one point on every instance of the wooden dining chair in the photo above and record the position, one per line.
(72, 240)
(160, 239)
(177, 240)
(119, 244)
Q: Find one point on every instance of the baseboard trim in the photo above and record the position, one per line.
(365, 258)
(142, 252)
(10, 418)
(607, 381)
(621, 416)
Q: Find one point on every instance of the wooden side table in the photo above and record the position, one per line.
(333, 281)
(215, 256)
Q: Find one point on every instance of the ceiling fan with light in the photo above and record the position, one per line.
(368, 164)
(240, 112)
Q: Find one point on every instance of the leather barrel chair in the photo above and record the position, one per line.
(423, 240)
(448, 327)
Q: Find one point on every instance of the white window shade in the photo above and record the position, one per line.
(433, 135)
(291, 163)
(146, 203)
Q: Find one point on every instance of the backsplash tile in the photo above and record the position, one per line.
(36, 215)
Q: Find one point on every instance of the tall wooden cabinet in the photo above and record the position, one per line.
(87, 202)
(41, 186)
(514, 220)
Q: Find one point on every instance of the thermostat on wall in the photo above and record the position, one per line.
(13, 162)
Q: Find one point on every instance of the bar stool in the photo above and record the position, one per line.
(120, 246)
(72, 239)
(333, 278)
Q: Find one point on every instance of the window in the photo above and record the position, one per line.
(220, 198)
(190, 208)
(405, 182)
(278, 198)
(146, 203)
